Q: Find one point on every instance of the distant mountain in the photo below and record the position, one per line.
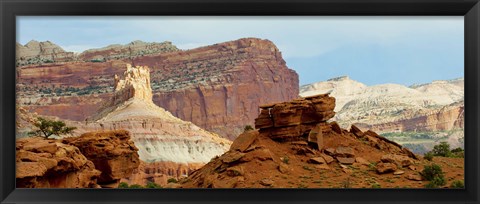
(359, 103)
(35, 52)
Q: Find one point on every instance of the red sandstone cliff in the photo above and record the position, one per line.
(217, 87)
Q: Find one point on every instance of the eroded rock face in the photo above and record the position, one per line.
(217, 87)
(112, 152)
(43, 163)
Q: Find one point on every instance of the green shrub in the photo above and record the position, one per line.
(247, 128)
(172, 180)
(152, 185)
(123, 185)
(376, 185)
(442, 149)
(434, 174)
(428, 156)
(431, 171)
(458, 152)
(135, 186)
(457, 184)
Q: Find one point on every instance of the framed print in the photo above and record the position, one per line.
(257, 101)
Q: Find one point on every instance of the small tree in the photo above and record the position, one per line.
(47, 128)
(442, 149)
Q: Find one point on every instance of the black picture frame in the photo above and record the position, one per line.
(9, 9)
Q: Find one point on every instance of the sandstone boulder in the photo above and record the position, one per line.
(112, 152)
(51, 164)
(244, 141)
(383, 168)
(345, 160)
(342, 151)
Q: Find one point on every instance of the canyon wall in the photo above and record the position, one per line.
(217, 87)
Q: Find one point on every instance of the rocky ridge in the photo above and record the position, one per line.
(35, 52)
(295, 146)
(128, 51)
(39, 53)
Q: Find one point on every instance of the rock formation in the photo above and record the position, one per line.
(168, 146)
(88, 161)
(35, 52)
(217, 87)
(134, 49)
(295, 146)
(112, 152)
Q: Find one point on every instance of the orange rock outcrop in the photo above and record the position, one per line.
(93, 160)
(293, 138)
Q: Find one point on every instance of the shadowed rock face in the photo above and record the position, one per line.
(88, 161)
(217, 87)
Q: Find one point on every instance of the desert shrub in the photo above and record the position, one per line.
(436, 182)
(431, 171)
(285, 159)
(458, 152)
(457, 184)
(442, 149)
(152, 185)
(123, 185)
(47, 128)
(135, 186)
(247, 128)
(376, 185)
(428, 156)
(434, 174)
(172, 180)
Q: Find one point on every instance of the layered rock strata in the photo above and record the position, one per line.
(168, 146)
(217, 87)
(131, 50)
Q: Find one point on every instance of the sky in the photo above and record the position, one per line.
(372, 50)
